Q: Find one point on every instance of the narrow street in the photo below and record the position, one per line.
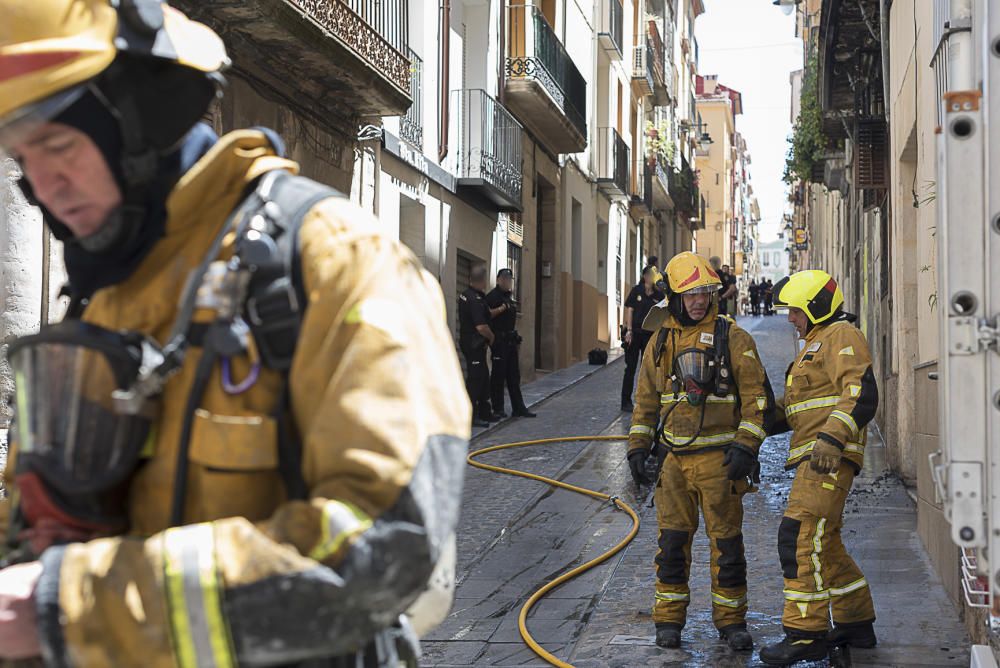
(517, 534)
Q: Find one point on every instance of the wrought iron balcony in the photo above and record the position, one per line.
(612, 163)
(610, 29)
(411, 126)
(683, 189)
(337, 60)
(489, 151)
(657, 49)
(543, 86)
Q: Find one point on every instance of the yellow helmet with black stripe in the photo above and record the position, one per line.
(813, 291)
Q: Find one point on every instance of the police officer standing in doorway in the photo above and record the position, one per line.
(506, 368)
(474, 335)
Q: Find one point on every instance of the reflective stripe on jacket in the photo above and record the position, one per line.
(736, 418)
(830, 393)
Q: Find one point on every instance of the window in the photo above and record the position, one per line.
(514, 264)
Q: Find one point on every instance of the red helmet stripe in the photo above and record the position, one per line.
(831, 286)
(695, 275)
(19, 64)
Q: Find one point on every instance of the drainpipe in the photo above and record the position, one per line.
(444, 56)
(884, 39)
(502, 59)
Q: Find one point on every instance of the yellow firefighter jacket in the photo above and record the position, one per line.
(830, 393)
(737, 418)
(379, 405)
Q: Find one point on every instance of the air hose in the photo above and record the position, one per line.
(522, 621)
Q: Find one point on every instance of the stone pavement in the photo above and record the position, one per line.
(518, 534)
(547, 385)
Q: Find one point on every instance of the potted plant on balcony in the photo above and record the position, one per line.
(659, 144)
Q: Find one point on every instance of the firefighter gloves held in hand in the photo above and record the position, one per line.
(740, 463)
(825, 456)
(637, 466)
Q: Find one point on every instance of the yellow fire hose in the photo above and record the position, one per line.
(565, 577)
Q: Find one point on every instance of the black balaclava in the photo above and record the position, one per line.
(89, 270)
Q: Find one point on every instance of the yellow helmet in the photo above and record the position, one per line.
(813, 291)
(52, 51)
(688, 273)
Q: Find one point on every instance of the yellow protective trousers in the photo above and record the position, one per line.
(820, 577)
(690, 482)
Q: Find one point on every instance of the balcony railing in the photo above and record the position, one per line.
(684, 190)
(534, 52)
(656, 44)
(612, 162)
(411, 126)
(377, 30)
(489, 151)
(610, 31)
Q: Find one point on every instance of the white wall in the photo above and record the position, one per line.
(21, 243)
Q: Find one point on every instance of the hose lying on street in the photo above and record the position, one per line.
(569, 575)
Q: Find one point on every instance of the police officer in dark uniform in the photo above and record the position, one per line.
(474, 335)
(506, 368)
(643, 297)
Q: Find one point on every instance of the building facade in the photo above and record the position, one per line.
(550, 137)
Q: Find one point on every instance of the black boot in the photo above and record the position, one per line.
(737, 637)
(794, 648)
(860, 634)
(668, 635)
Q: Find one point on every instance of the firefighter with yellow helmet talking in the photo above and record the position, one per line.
(227, 453)
(703, 391)
(830, 397)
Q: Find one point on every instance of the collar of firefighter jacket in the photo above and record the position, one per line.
(821, 329)
(222, 175)
(709, 320)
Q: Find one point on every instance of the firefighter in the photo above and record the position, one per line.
(229, 453)
(703, 390)
(830, 397)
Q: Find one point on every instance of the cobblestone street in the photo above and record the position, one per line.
(518, 534)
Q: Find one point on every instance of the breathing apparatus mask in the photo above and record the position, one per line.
(694, 374)
(77, 440)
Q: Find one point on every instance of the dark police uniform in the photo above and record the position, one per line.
(506, 368)
(472, 312)
(640, 303)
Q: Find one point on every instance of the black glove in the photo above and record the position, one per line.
(741, 462)
(637, 465)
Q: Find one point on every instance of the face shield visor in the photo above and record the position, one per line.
(69, 429)
(694, 371)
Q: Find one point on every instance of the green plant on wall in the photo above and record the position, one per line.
(807, 143)
(659, 142)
